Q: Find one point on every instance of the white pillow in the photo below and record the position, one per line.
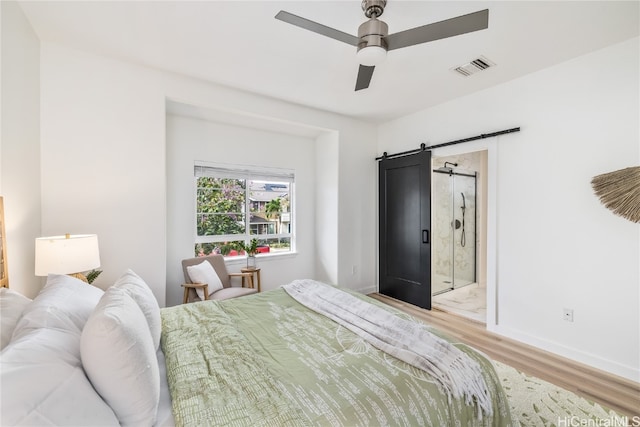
(47, 384)
(120, 360)
(204, 273)
(63, 303)
(12, 305)
(142, 295)
(41, 365)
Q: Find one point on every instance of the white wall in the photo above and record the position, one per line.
(102, 145)
(557, 246)
(326, 206)
(190, 140)
(358, 210)
(20, 146)
(104, 162)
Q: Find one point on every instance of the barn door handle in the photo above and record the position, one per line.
(425, 236)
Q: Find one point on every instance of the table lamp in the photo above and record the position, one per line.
(68, 254)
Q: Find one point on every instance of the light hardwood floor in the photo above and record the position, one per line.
(617, 393)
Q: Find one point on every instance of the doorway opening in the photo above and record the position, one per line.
(459, 189)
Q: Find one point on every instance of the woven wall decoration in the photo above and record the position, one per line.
(619, 191)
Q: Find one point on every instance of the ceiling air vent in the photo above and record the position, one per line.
(475, 66)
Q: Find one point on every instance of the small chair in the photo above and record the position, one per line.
(228, 291)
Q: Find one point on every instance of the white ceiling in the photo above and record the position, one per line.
(240, 44)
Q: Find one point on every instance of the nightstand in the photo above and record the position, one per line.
(253, 271)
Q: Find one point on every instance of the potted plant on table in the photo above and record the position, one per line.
(251, 249)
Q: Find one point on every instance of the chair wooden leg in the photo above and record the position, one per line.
(185, 298)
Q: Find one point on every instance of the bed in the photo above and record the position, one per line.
(76, 355)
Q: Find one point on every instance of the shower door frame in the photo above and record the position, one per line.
(475, 228)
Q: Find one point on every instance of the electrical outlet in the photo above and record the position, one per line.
(567, 314)
(353, 270)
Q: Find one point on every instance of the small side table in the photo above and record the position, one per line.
(203, 286)
(252, 271)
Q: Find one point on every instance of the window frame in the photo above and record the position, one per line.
(247, 173)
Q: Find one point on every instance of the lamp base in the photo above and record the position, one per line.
(79, 276)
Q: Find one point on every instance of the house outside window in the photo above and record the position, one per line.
(235, 205)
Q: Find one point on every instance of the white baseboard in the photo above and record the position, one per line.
(367, 290)
(629, 372)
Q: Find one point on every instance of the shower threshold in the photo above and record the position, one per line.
(467, 301)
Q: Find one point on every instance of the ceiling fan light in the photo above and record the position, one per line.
(371, 55)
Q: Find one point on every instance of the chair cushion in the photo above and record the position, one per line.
(232, 292)
(204, 273)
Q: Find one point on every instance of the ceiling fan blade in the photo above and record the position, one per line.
(365, 73)
(439, 30)
(317, 28)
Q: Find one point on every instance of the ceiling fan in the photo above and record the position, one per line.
(373, 40)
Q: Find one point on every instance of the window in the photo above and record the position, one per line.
(234, 206)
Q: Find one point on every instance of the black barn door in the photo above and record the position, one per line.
(405, 228)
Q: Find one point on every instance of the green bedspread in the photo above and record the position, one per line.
(266, 360)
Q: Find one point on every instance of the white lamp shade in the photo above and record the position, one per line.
(67, 254)
(371, 55)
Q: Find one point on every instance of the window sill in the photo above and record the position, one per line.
(260, 258)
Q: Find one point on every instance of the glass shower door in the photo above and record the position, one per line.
(442, 217)
(454, 230)
(464, 229)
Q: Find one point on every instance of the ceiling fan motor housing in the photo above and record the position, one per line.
(372, 33)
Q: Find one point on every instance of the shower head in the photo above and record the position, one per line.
(445, 168)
